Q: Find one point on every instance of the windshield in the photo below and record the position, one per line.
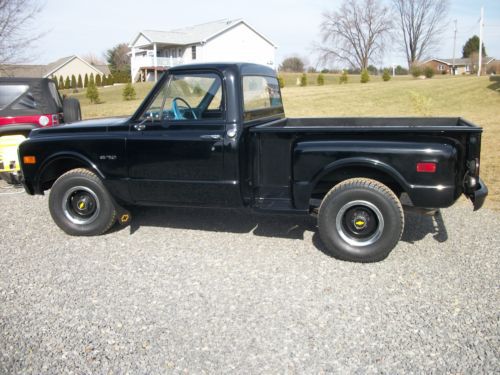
(188, 97)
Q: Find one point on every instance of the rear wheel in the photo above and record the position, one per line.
(360, 220)
(80, 204)
(71, 109)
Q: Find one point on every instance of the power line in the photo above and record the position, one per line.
(454, 47)
(480, 43)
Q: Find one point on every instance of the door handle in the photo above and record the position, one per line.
(214, 137)
(140, 126)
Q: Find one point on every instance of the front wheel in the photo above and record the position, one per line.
(80, 204)
(360, 220)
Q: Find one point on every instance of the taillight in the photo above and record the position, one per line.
(55, 119)
(426, 167)
(43, 120)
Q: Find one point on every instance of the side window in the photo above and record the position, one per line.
(191, 97)
(27, 102)
(10, 93)
(261, 97)
(55, 94)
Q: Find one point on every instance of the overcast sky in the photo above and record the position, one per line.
(93, 26)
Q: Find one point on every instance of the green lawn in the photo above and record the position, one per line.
(476, 99)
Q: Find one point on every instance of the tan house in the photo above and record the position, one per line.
(462, 66)
(64, 67)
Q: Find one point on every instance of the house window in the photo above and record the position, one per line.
(180, 52)
(440, 67)
(174, 53)
(193, 53)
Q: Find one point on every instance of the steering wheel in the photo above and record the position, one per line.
(177, 113)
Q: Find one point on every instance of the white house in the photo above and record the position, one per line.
(154, 51)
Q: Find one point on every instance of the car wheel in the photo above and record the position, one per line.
(360, 220)
(71, 109)
(80, 204)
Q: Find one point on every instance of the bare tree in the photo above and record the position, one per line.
(93, 59)
(17, 18)
(421, 23)
(356, 33)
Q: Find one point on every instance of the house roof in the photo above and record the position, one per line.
(54, 65)
(193, 34)
(461, 62)
(58, 64)
(104, 68)
(11, 70)
(46, 70)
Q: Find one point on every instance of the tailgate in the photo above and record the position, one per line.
(474, 188)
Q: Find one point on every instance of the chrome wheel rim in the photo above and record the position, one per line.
(359, 223)
(81, 205)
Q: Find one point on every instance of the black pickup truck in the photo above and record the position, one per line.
(216, 135)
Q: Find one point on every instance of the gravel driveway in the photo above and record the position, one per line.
(204, 291)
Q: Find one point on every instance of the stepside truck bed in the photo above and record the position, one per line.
(298, 159)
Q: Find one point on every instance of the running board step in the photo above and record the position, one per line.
(277, 205)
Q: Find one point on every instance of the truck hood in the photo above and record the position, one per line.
(87, 126)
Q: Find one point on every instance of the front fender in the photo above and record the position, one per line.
(64, 155)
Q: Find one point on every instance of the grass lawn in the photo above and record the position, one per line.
(476, 99)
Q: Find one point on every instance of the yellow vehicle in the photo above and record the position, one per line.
(9, 160)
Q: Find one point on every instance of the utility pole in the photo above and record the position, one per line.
(481, 20)
(454, 47)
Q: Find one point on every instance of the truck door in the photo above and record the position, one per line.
(176, 149)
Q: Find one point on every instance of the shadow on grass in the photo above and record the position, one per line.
(495, 86)
(282, 226)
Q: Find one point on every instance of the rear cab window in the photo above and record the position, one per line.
(261, 97)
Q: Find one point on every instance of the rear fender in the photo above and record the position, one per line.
(304, 189)
(361, 162)
(393, 160)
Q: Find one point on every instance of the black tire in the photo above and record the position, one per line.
(71, 109)
(80, 204)
(360, 220)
